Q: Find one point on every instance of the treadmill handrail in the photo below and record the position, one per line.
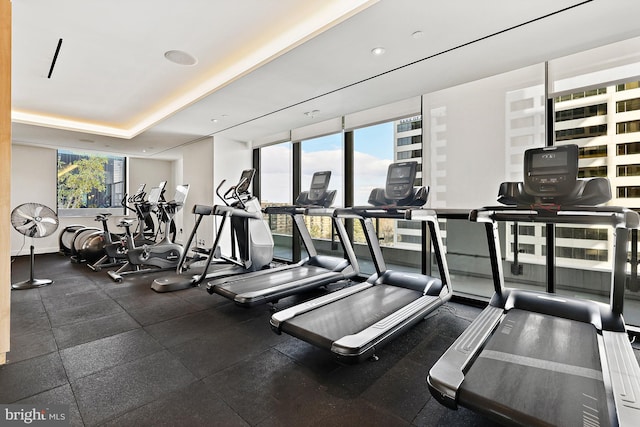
(284, 210)
(392, 212)
(614, 216)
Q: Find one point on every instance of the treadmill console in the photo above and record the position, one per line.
(400, 179)
(245, 180)
(551, 171)
(319, 185)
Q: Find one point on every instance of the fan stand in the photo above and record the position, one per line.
(31, 283)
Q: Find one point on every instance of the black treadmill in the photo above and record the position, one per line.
(270, 285)
(538, 358)
(355, 321)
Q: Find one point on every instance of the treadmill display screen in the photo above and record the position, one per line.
(400, 179)
(400, 174)
(549, 160)
(319, 185)
(318, 179)
(551, 171)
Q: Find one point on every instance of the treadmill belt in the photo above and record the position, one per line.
(270, 279)
(539, 369)
(326, 324)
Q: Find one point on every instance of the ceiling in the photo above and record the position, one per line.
(262, 64)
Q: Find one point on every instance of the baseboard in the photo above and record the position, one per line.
(38, 250)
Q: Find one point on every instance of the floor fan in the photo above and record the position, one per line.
(33, 220)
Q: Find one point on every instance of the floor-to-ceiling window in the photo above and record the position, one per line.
(325, 153)
(276, 180)
(375, 148)
(596, 105)
(475, 135)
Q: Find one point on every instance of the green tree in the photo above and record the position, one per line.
(77, 180)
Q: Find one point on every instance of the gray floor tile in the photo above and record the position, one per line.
(29, 377)
(191, 406)
(113, 392)
(159, 312)
(94, 356)
(58, 396)
(85, 312)
(26, 346)
(93, 329)
(204, 356)
(75, 299)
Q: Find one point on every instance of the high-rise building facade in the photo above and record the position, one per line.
(605, 124)
(407, 136)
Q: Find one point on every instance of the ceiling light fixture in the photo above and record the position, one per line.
(311, 114)
(417, 34)
(377, 51)
(180, 57)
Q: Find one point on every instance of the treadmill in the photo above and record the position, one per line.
(354, 322)
(316, 270)
(251, 240)
(537, 358)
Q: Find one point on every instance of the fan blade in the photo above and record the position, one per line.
(24, 215)
(26, 225)
(49, 220)
(42, 230)
(36, 212)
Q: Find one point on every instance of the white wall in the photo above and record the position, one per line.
(151, 172)
(203, 166)
(465, 136)
(197, 171)
(230, 159)
(33, 179)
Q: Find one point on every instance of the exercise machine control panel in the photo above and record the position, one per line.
(245, 180)
(551, 171)
(319, 185)
(400, 179)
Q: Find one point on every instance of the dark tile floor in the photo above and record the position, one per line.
(121, 354)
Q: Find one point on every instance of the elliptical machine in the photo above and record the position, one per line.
(251, 240)
(163, 255)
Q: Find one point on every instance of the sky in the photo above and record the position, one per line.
(373, 154)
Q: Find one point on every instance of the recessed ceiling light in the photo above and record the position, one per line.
(180, 57)
(417, 34)
(214, 120)
(377, 51)
(312, 113)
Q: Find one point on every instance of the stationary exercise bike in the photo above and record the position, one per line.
(114, 246)
(163, 255)
(88, 244)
